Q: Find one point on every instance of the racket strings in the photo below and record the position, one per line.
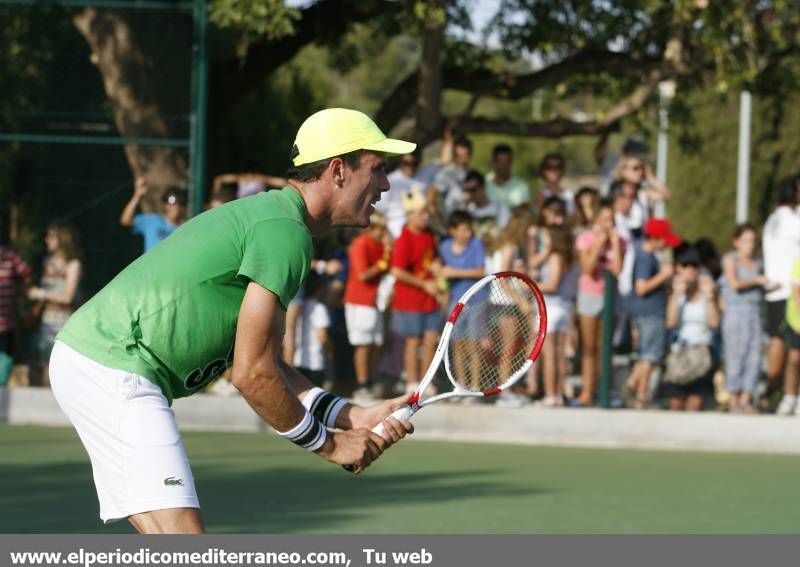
(493, 335)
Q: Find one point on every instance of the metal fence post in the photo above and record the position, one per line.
(604, 387)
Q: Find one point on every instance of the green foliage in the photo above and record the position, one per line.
(252, 20)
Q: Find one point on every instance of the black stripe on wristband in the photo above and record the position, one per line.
(310, 436)
(322, 406)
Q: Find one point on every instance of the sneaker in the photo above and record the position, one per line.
(788, 406)
(363, 394)
(511, 400)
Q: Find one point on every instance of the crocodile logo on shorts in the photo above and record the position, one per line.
(172, 481)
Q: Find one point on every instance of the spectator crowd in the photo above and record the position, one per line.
(694, 328)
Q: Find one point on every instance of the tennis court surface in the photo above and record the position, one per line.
(259, 483)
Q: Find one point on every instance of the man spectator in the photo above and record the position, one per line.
(13, 273)
(489, 217)
(448, 184)
(154, 227)
(648, 305)
(401, 181)
(368, 262)
(781, 243)
(416, 312)
(502, 186)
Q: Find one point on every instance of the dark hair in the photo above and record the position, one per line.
(457, 218)
(549, 158)
(605, 203)
(226, 193)
(689, 256)
(475, 175)
(582, 219)
(501, 149)
(561, 243)
(709, 255)
(314, 170)
(464, 142)
(548, 203)
(181, 195)
(787, 192)
(744, 227)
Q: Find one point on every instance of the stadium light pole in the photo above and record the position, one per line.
(743, 165)
(666, 92)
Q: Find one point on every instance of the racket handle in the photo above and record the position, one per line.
(402, 414)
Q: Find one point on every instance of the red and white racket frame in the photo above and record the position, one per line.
(415, 404)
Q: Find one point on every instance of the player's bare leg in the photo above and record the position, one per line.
(168, 521)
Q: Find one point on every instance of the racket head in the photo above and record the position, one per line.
(496, 332)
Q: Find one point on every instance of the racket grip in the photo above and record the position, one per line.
(402, 414)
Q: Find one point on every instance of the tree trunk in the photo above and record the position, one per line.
(429, 86)
(128, 84)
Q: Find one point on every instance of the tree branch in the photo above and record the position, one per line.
(323, 21)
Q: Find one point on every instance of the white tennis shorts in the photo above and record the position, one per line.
(364, 324)
(127, 427)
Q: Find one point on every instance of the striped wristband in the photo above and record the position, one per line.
(308, 434)
(324, 406)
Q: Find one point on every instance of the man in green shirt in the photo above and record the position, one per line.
(211, 295)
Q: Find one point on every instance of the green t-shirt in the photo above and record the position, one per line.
(171, 315)
(792, 306)
(513, 193)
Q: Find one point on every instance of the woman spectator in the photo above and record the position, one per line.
(600, 249)
(635, 178)
(507, 254)
(551, 171)
(57, 293)
(555, 285)
(692, 314)
(552, 213)
(586, 200)
(743, 285)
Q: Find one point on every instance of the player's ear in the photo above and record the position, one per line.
(337, 169)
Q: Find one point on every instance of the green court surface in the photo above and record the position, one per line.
(260, 483)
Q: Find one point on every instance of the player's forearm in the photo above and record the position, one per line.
(269, 393)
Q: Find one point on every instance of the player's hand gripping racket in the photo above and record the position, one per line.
(492, 337)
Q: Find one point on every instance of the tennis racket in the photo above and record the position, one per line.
(491, 339)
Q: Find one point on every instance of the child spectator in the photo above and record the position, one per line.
(154, 227)
(416, 315)
(508, 253)
(692, 314)
(489, 218)
(600, 249)
(743, 286)
(648, 304)
(57, 293)
(464, 261)
(14, 272)
(551, 171)
(586, 200)
(313, 346)
(556, 288)
(368, 262)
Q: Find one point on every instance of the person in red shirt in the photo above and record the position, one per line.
(14, 272)
(416, 314)
(369, 261)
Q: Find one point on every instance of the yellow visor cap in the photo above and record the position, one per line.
(336, 131)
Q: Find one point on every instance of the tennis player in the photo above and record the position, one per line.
(211, 295)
